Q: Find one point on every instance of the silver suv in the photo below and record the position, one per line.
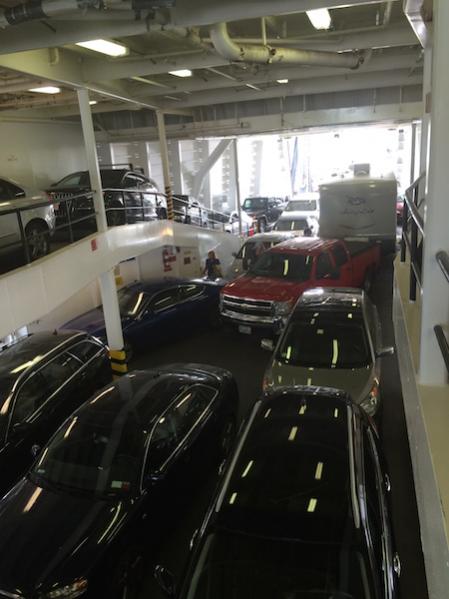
(332, 339)
(38, 221)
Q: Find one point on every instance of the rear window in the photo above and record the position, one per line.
(301, 205)
(74, 180)
(255, 203)
(293, 267)
(326, 340)
(294, 224)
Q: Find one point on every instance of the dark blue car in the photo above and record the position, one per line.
(154, 312)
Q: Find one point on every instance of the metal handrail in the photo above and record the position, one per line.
(67, 220)
(443, 343)
(443, 260)
(414, 213)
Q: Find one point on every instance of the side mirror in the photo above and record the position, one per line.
(385, 351)
(165, 580)
(267, 344)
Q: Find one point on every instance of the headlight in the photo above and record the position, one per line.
(69, 591)
(283, 308)
(371, 403)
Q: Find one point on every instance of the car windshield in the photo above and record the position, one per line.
(255, 204)
(293, 267)
(97, 451)
(233, 566)
(326, 340)
(80, 179)
(251, 250)
(291, 224)
(309, 205)
(131, 302)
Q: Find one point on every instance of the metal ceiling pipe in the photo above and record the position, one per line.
(19, 86)
(224, 45)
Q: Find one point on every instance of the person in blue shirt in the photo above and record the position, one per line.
(212, 269)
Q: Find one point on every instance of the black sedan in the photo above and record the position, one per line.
(104, 485)
(302, 511)
(43, 378)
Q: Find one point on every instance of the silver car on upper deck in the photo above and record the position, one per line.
(38, 221)
(332, 339)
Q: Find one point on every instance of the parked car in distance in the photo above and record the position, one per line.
(261, 300)
(232, 226)
(307, 204)
(38, 221)
(250, 251)
(104, 487)
(139, 200)
(302, 510)
(157, 311)
(298, 224)
(263, 210)
(43, 378)
(399, 209)
(332, 338)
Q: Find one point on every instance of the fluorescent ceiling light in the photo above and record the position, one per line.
(93, 102)
(46, 89)
(320, 18)
(105, 47)
(181, 73)
(282, 80)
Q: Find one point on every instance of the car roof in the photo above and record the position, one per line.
(26, 351)
(161, 284)
(330, 298)
(274, 236)
(292, 478)
(147, 393)
(309, 245)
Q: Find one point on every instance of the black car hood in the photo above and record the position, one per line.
(50, 538)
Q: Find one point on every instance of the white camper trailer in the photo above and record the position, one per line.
(360, 208)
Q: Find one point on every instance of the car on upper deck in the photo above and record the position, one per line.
(43, 378)
(157, 311)
(112, 480)
(302, 511)
(304, 204)
(332, 338)
(129, 196)
(261, 299)
(297, 223)
(37, 217)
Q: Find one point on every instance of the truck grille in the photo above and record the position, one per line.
(247, 309)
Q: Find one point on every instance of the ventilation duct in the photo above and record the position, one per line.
(224, 45)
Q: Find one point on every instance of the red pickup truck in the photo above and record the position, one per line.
(263, 298)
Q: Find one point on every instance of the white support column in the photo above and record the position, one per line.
(237, 183)
(92, 158)
(108, 287)
(427, 101)
(165, 163)
(435, 292)
(175, 162)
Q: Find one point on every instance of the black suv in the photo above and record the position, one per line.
(43, 378)
(264, 211)
(138, 201)
(302, 510)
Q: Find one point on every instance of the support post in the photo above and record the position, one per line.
(165, 163)
(435, 292)
(237, 183)
(413, 152)
(108, 289)
(92, 158)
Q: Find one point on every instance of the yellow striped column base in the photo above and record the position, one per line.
(119, 364)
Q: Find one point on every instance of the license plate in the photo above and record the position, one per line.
(244, 329)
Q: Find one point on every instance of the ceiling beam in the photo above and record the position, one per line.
(64, 67)
(190, 13)
(269, 74)
(317, 85)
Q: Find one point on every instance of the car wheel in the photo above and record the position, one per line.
(227, 437)
(368, 280)
(115, 215)
(38, 238)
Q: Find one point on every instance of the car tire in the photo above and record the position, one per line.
(115, 215)
(38, 238)
(368, 280)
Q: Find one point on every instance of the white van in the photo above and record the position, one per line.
(361, 208)
(304, 204)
